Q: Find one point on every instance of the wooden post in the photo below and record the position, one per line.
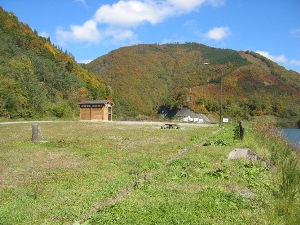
(35, 133)
(242, 130)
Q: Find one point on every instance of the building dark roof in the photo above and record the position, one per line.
(96, 102)
(186, 111)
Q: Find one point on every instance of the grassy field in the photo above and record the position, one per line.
(136, 173)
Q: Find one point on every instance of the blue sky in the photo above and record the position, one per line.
(91, 28)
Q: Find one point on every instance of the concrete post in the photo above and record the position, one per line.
(35, 133)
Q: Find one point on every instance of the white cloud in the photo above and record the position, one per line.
(87, 32)
(216, 2)
(295, 62)
(126, 14)
(83, 2)
(184, 6)
(278, 59)
(296, 33)
(134, 12)
(85, 61)
(218, 33)
(131, 13)
(117, 35)
(44, 34)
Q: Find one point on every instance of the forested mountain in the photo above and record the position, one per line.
(36, 78)
(146, 77)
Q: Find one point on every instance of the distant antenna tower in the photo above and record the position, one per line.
(189, 96)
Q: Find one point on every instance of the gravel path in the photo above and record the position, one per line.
(115, 122)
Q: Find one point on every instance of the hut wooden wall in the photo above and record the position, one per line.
(97, 113)
(85, 113)
(104, 113)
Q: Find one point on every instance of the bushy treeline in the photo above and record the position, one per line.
(36, 78)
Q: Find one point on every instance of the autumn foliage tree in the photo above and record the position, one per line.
(38, 79)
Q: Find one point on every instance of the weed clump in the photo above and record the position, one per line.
(287, 165)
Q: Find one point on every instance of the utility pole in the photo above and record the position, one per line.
(221, 95)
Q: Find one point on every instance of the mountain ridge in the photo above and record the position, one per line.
(172, 72)
(38, 79)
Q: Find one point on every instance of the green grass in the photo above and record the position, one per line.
(114, 173)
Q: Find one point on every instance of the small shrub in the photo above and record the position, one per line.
(195, 138)
(219, 142)
(251, 173)
(60, 110)
(219, 173)
(237, 200)
(290, 179)
(203, 165)
(238, 132)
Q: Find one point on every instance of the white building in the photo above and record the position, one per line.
(187, 115)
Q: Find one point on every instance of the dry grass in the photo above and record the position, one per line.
(78, 165)
(130, 172)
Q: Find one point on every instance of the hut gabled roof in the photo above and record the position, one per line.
(96, 102)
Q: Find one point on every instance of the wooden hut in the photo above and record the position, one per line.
(96, 110)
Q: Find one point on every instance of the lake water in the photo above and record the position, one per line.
(292, 135)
